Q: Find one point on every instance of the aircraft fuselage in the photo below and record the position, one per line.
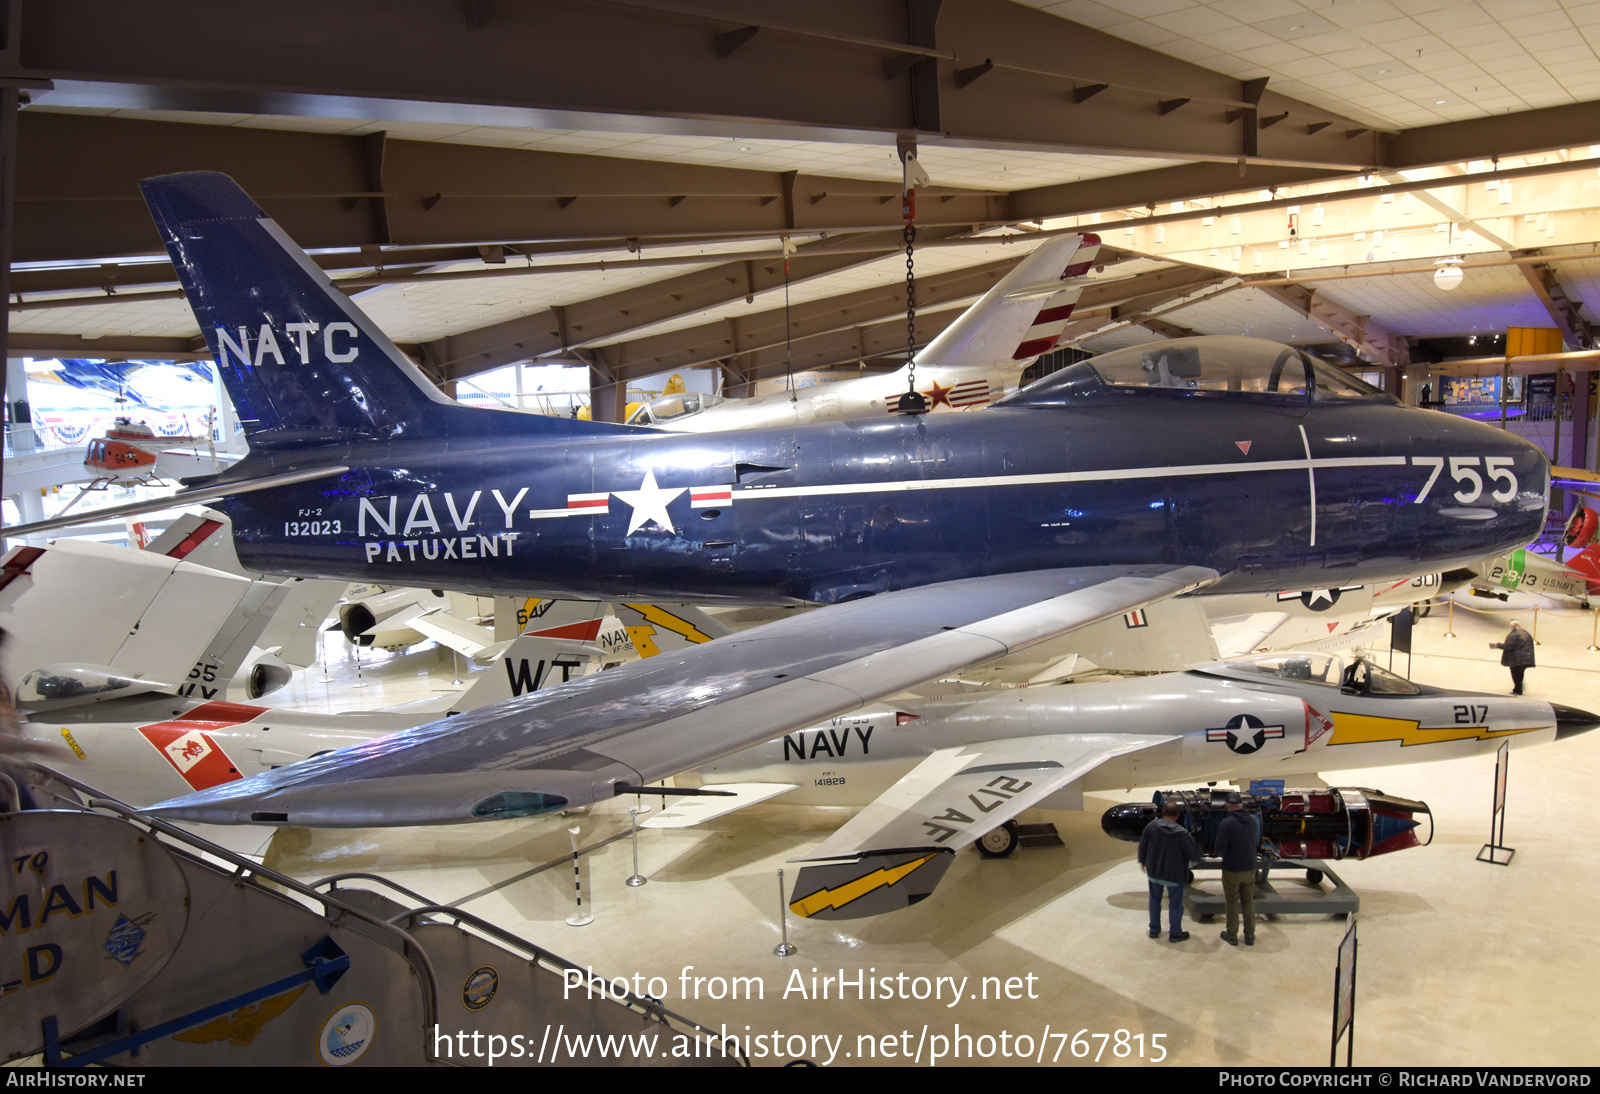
(1270, 495)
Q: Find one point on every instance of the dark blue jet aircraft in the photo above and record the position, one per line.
(938, 541)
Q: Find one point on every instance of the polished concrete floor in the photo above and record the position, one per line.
(1461, 963)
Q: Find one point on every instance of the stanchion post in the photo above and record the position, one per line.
(783, 949)
(1594, 632)
(360, 683)
(581, 917)
(1535, 635)
(636, 879)
(1450, 624)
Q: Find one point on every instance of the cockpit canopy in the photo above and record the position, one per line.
(1220, 364)
(1354, 675)
(664, 408)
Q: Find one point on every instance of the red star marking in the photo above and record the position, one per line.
(937, 394)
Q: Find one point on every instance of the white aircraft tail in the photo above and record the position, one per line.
(543, 657)
(1023, 315)
(124, 613)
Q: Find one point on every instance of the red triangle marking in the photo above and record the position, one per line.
(1332, 627)
(1244, 446)
(586, 631)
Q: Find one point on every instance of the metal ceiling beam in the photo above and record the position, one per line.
(1162, 291)
(78, 195)
(110, 348)
(864, 70)
(715, 341)
(736, 335)
(1372, 340)
(1576, 331)
(1165, 329)
(1527, 131)
(1155, 187)
(603, 319)
(1505, 135)
(865, 343)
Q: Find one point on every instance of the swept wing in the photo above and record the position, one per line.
(650, 719)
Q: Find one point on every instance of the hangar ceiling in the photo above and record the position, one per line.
(611, 181)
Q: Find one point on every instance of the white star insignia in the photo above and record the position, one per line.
(649, 504)
(1318, 596)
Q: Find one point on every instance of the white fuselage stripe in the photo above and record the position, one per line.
(1311, 477)
(1109, 475)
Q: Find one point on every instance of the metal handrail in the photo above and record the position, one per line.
(650, 1006)
(247, 868)
(333, 883)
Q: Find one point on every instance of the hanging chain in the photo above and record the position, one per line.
(788, 336)
(910, 235)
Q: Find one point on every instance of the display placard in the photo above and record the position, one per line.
(1344, 998)
(1495, 852)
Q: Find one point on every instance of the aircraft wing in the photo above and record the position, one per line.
(893, 853)
(195, 495)
(467, 639)
(609, 732)
(690, 811)
(1573, 474)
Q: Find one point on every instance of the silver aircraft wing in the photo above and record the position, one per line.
(607, 733)
(893, 853)
(192, 496)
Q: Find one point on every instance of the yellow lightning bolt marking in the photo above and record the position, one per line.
(823, 899)
(668, 622)
(1360, 729)
(640, 637)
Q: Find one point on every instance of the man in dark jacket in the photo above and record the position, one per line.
(1238, 838)
(1517, 655)
(1166, 851)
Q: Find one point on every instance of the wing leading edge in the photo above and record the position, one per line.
(644, 721)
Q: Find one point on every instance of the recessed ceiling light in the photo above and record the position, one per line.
(1440, 102)
(746, 147)
(1383, 72)
(1298, 26)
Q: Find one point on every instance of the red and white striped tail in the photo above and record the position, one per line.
(1053, 315)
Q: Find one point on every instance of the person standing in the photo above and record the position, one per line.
(1517, 654)
(1238, 839)
(1166, 851)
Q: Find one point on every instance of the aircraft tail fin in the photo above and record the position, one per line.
(532, 663)
(1024, 314)
(302, 363)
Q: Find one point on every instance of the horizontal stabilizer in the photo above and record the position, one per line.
(467, 639)
(883, 881)
(689, 812)
(177, 501)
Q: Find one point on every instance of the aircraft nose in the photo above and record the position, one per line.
(1570, 721)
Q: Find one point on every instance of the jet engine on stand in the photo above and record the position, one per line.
(1332, 823)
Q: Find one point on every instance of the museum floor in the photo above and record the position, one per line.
(1461, 963)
